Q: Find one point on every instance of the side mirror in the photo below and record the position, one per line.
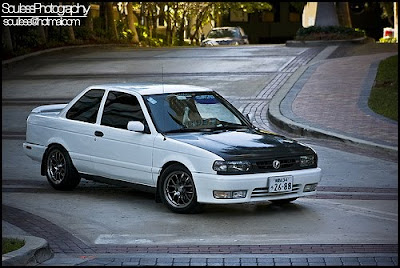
(135, 126)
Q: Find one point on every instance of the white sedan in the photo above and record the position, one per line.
(186, 144)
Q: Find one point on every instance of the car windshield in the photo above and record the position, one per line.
(221, 33)
(187, 112)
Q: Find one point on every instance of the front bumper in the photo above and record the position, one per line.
(256, 186)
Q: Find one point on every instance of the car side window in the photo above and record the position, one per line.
(87, 107)
(120, 108)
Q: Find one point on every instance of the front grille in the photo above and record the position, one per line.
(264, 192)
(223, 42)
(284, 164)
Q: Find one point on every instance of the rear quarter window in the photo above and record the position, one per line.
(87, 107)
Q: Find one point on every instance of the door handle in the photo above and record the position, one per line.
(98, 134)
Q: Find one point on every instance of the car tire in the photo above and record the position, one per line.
(177, 190)
(283, 201)
(60, 172)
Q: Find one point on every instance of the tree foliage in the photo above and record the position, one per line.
(387, 11)
(138, 23)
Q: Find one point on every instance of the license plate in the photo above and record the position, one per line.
(280, 184)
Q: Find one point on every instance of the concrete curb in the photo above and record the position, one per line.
(275, 116)
(294, 43)
(37, 53)
(35, 251)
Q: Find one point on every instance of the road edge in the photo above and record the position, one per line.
(35, 251)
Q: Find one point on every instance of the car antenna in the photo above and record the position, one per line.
(162, 76)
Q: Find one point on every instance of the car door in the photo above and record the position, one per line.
(119, 153)
(76, 130)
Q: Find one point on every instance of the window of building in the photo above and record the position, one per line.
(294, 14)
(238, 16)
(272, 15)
(86, 108)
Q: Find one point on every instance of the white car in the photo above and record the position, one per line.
(185, 143)
(225, 36)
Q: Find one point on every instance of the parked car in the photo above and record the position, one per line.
(232, 36)
(186, 144)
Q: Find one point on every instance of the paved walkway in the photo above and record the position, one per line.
(69, 250)
(329, 99)
(323, 98)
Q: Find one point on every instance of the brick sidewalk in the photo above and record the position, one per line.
(335, 98)
(62, 241)
(71, 251)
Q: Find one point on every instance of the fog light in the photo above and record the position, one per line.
(230, 194)
(310, 187)
(222, 195)
(239, 194)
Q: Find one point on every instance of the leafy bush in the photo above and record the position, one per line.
(59, 34)
(145, 38)
(388, 40)
(26, 37)
(328, 33)
(98, 27)
(83, 33)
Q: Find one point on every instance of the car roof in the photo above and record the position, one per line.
(151, 88)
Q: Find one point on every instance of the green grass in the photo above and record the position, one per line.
(384, 95)
(10, 244)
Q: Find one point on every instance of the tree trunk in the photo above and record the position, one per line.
(396, 21)
(111, 26)
(131, 23)
(89, 20)
(343, 13)
(168, 30)
(181, 30)
(6, 36)
(326, 14)
(71, 33)
(42, 34)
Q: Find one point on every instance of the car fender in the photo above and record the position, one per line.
(58, 140)
(167, 150)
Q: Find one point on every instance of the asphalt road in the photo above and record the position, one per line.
(357, 197)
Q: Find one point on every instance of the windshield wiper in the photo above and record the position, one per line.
(182, 130)
(226, 125)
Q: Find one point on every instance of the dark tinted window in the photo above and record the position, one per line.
(86, 108)
(120, 108)
(221, 33)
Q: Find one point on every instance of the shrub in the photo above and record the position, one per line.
(83, 33)
(328, 33)
(26, 37)
(387, 40)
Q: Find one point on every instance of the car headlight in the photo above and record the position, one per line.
(308, 161)
(231, 166)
